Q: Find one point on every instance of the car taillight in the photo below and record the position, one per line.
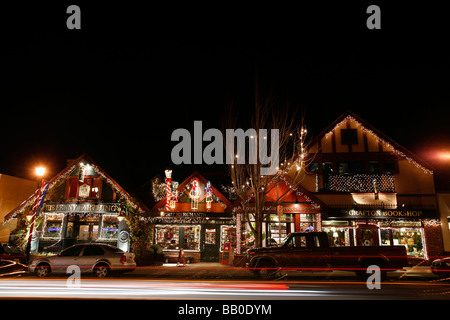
(123, 258)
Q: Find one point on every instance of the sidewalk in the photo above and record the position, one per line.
(217, 271)
(200, 270)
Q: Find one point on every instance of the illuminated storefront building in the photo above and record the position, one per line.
(288, 208)
(192, 217)
(375, 191)
(83, 204)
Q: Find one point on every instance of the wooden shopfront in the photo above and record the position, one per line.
(413, 228)
(192, 217)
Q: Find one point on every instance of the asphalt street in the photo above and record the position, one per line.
(213, 281)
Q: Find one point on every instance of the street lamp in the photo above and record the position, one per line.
(40, 171)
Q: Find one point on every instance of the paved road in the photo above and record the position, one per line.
(213, 281)
(58, 288)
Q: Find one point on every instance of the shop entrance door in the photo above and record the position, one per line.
(367, 235)
(211, 243)
(87, 232)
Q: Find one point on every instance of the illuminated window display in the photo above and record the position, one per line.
(411, 238)
(191, 237)
(53, 226)
(307, 222)
(110, 227)
(338, 236)
(278, 227)
(171, 237)
(227, 234)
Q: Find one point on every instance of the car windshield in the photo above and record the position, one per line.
(10, 249)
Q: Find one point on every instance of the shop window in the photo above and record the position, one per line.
(314, 167)
(278, 228)
(327, 168)
(337, 236)
(53, 226)
(247, 237)
(177, 237)
(385, 238)
(411, 238)
(374, 167)
(110, 227)
(307, 222)
(191, 238)
(167, 237)
(367, 235)
(349, 136)
(210, 236)
(84, 232)
(94, 232)
(69, 230)
(343, 168)
(89, 188)
(227, 234)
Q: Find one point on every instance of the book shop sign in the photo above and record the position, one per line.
(383, 214)
(84, 207)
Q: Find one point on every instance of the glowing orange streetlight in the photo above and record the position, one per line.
(40, 171)
(445, 155)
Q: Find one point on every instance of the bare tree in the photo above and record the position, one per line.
(250, 185)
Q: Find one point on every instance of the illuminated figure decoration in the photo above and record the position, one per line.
(168, 188)
(208, 191)
(195, 194)
(174, 197)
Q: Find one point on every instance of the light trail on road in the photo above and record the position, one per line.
(227, 290)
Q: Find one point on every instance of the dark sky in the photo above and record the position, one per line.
(118, 87)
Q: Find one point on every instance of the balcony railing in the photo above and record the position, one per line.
(363, 183)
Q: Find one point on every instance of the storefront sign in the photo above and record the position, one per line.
(83, 207)
(171, 220)
(294, 208)
(185, 214)
(383, 214)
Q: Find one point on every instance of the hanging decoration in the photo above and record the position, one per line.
(174, 197)
(195, 194)
(81, 172)
(208, 192)
(168, 188)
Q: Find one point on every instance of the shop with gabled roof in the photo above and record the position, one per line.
(83, 204)
(288, 207)
(377, 192)
(192, 217)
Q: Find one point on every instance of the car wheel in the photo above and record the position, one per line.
(101, 270)
(42, 271)
(267, 270)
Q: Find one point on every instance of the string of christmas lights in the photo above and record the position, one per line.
(378, 139)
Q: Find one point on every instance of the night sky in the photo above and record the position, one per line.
(118, 87)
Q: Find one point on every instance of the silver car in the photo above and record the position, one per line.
(99, 259)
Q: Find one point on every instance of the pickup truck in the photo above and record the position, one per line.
(312, 251)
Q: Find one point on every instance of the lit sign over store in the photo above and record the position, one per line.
(383, 214)
(83, 207)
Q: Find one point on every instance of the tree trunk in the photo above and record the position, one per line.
(258, 231)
